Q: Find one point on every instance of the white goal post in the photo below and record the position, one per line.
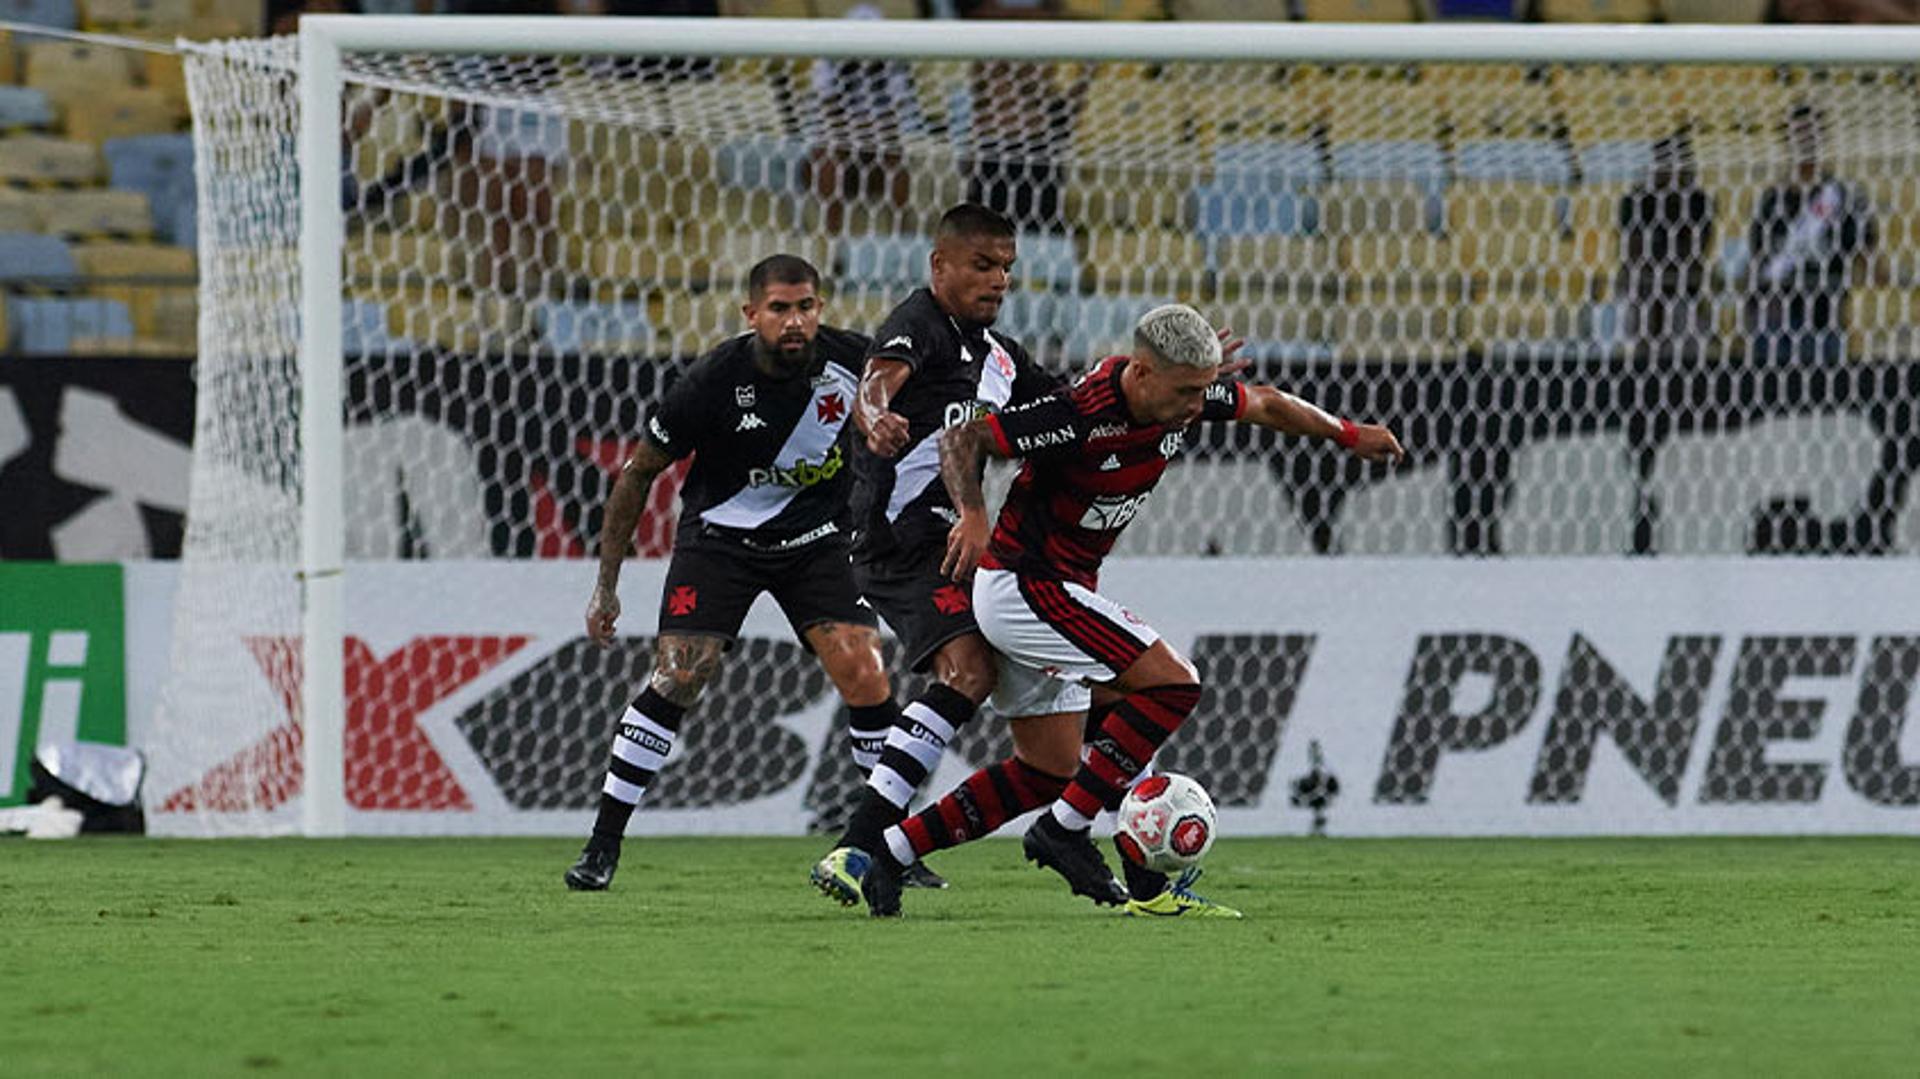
(328, 45)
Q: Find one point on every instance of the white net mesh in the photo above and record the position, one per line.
(1612, 311)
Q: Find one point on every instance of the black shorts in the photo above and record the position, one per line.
(924, 609)
(712, 583)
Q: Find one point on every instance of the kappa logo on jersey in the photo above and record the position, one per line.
(743, 396)
(949, 599)
(1111, 463)
(902, 341)
(683, 600)
(750, 421)
(804, 473)
(831, 408)
(658, 429)
(1171, 445)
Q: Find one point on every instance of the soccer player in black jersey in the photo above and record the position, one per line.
(764, 509)
(1092, 454)
(936, 362)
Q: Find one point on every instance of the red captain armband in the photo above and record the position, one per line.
(999, 435)
(1349, 435)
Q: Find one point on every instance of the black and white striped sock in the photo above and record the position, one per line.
(640, 748)
(916, 743)
(867, 728)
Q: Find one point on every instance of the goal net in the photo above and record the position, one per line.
(1654, 310)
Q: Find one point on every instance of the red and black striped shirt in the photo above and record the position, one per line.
(1088, 468)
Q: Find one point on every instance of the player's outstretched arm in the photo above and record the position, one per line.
(963, 451)
(885, 429)
(616, 535)
(1283, 412)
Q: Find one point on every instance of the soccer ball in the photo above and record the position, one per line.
(1166, 823)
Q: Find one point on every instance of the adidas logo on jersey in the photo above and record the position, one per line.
(749, 422)
(1112, 462)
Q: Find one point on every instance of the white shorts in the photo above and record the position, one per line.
(1054, 639)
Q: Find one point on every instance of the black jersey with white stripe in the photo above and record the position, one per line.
(960, 372)
(769, 452)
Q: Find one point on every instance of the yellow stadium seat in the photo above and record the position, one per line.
(1715, 11)
(1349, 208)
(9, 61)
(725, 108)
(767, 9)
(861, 312)
(733, 254)
(41, 159)
(1094, 203)
(163, 72)
(1395, 328)
(1258, 267)
(66, 70)
(1369, 105)
(1499, 107)
(1286, 318)
(1606, 104)
(1359, 10)
(1407, 260)
(621, 267)
(247, 16)
(1126, 114)
(1290, 108)
(1524, 323)
(458, 321)
(697, 321)
(1135, 10)
(136, 14)
(1883, 323)
(1157, 262)
(96, 212)
(134, 260)
(127, 112)
(1598, 10)
(19, 211)
(1231, 10)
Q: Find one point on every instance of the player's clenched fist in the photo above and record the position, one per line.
(1375, 443)
(603, 610)
(887, 434)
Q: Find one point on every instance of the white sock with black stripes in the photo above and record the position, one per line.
(640, 748)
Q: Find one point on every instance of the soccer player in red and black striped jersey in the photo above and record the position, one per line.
(1092, 454)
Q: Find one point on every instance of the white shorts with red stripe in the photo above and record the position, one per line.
(1055, 639)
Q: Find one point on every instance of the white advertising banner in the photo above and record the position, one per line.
(1447, 697)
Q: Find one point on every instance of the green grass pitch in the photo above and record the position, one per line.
(714, 957)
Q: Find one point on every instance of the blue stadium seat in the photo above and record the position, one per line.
(49, 326)
(363, 329)
(63, 14)
(1028, 317)
(24, 106)
(575, 327)
(1232, 209)
(1531, 160)
(1047, 259)
(161, 167)
(1619, 161)
(1095, 326)
(883, 260)
(1406, 160)
(29, 256)
(1273, 164)
(765, 163)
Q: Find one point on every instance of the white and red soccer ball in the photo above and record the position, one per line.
(1166, 823)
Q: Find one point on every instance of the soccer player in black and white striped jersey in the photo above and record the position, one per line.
(764, 509)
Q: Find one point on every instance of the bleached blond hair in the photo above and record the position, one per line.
(1178, 334)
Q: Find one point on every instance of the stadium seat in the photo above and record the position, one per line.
(1278, 329)
(458, 321)
(1228, 209)
(1135, 10)
(1359, 10)
(125, 15)
(23, 106)
(79, 214)
(1347, 208)
(891, 9)
(1603, 104)
(863, 311)
(19, 211)
(1046, 262)
(1156, 262)
(1714, 11)
(379, 255)
(767, 9)
(1416, 260)
(1231, 10)
(364, 328)
(1529, 160)
(1524, 327)
(1586, 11)
(110, 260)
(697, 321)
(1616, 161)
(1493, 102)
(572, 327)
(764, 163)
(1098, 201)
(61, 14)
(120, 113)
(46, 160)
(248, 16)
(32, 257)
(1396, 325)
(159, 166)
(897, 261)
(1269, 163)
(618, 266)
(1029, 316)
(69, 71)
(1094, 326)
(1123, 117)
(1364, 106)
(1391, 160)
(732, 207)
(48, 326)
(743, 108)
(1255, 267)
(733, 254)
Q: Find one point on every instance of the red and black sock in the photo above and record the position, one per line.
(1129, 737)
(987, 799)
